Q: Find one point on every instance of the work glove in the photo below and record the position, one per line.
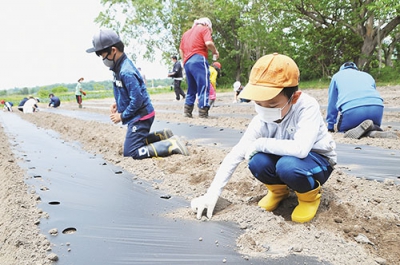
(207, 201)
(250, 153)
(331, 130)
(254, 148)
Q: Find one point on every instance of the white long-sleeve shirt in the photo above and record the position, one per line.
(29, 105)
(301, 131)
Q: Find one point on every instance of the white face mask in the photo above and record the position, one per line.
(270, 114)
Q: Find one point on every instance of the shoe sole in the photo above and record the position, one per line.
(379, 134)
(182, 148)
(360, 130)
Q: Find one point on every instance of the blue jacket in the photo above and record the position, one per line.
(55, 101)
(130, 93)
(350, 88)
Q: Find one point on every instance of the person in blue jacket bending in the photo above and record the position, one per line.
(353, 94)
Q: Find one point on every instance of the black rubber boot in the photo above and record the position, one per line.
(159, 136)
(203, 113)
(167, 147)
(187, 111)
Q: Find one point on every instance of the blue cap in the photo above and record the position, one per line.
(348, 65)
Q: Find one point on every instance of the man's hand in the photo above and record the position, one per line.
(115, 117)
(207, 201)
(113, 108)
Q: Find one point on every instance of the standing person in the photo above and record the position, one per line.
(132, 102)
(79, 92)
(353, 93)
(193, 48)
(177, 75)
(7, 105)
(287, 144)
(54, 101)
(237, 88)
(215, 73)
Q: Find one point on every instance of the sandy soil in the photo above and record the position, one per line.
(358, 221)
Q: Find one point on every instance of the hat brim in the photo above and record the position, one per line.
(259, 93)
(90, 50)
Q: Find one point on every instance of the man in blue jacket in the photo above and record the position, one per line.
(132, 102)
(54, 101)
(353, 93)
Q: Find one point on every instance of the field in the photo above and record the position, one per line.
(352, 209)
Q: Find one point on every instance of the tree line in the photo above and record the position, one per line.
(319, 35)
(44, 91)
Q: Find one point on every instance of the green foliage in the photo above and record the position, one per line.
(319, 34)
(386, 75)
(59, 89)
(42, 94)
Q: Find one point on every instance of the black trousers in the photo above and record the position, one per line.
(178, 90)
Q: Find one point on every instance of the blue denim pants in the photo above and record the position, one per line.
(298, 174)
(353, 117)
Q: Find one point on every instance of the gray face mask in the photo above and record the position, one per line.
(109, 63)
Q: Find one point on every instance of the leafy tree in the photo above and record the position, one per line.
(43, 93)
(369, 21)
(319, 34)
(25, 91)
(59, 89)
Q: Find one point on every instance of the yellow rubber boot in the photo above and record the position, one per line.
(276, 193)
(308, 205)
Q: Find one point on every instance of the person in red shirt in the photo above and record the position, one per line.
(193, 48)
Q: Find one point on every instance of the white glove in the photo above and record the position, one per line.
(206, 201)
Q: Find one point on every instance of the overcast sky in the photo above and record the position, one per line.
(44, 42)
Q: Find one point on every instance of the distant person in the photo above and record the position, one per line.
(7, 105)
(212, 96)
(287, 144)
(193, 48)
(54, 101)
(177, 75)
(353, 94)
(143, 75)
(21, 104)
(132, 105)
(30, 106)
(237, 88)
(215, 73)
(79, 92)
